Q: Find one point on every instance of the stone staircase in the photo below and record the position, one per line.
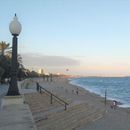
(53, 117)
(74, 117)
(40, 105)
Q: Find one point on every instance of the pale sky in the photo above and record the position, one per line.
(88, 37)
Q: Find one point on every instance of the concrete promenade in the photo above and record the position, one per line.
(14, 114)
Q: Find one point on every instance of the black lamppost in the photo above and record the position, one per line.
(15, 29)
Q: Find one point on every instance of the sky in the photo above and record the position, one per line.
(87, 37)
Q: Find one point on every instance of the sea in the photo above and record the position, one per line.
(116, 88)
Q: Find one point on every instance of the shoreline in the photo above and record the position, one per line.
(101, 99)
(120, 103)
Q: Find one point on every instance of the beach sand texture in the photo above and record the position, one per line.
(86, 111)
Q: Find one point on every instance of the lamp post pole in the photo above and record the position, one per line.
(15, 29)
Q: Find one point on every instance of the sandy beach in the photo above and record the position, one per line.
(110, 119)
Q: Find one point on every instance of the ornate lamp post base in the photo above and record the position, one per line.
(13, 91)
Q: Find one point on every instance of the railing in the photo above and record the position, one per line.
(40, 88)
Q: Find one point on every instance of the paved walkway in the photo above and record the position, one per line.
(16, 117)
(3, 89)
(14, 114)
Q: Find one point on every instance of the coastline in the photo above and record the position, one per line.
(121, 104)
(94, 98)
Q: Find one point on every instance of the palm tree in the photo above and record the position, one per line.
(3, 47)
(5, 61)
(5, 64)
(1, 72)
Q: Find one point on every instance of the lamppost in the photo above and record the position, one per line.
(15, 29)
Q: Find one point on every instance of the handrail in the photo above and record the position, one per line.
(39, 88)
(55, 96)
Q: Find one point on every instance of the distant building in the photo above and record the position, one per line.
(41, 71)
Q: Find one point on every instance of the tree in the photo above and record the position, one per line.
(1, 72)
(5, 64)
(4, 47)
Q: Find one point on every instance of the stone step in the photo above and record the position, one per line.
(73, 109)
(53, 117)
(46, 109)
(88, 118)
(65, 117)
(71, 120)
(41, 116)
(67, 121)
(40, 104)
(71, 123)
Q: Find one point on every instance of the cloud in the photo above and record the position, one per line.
(39, 60)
